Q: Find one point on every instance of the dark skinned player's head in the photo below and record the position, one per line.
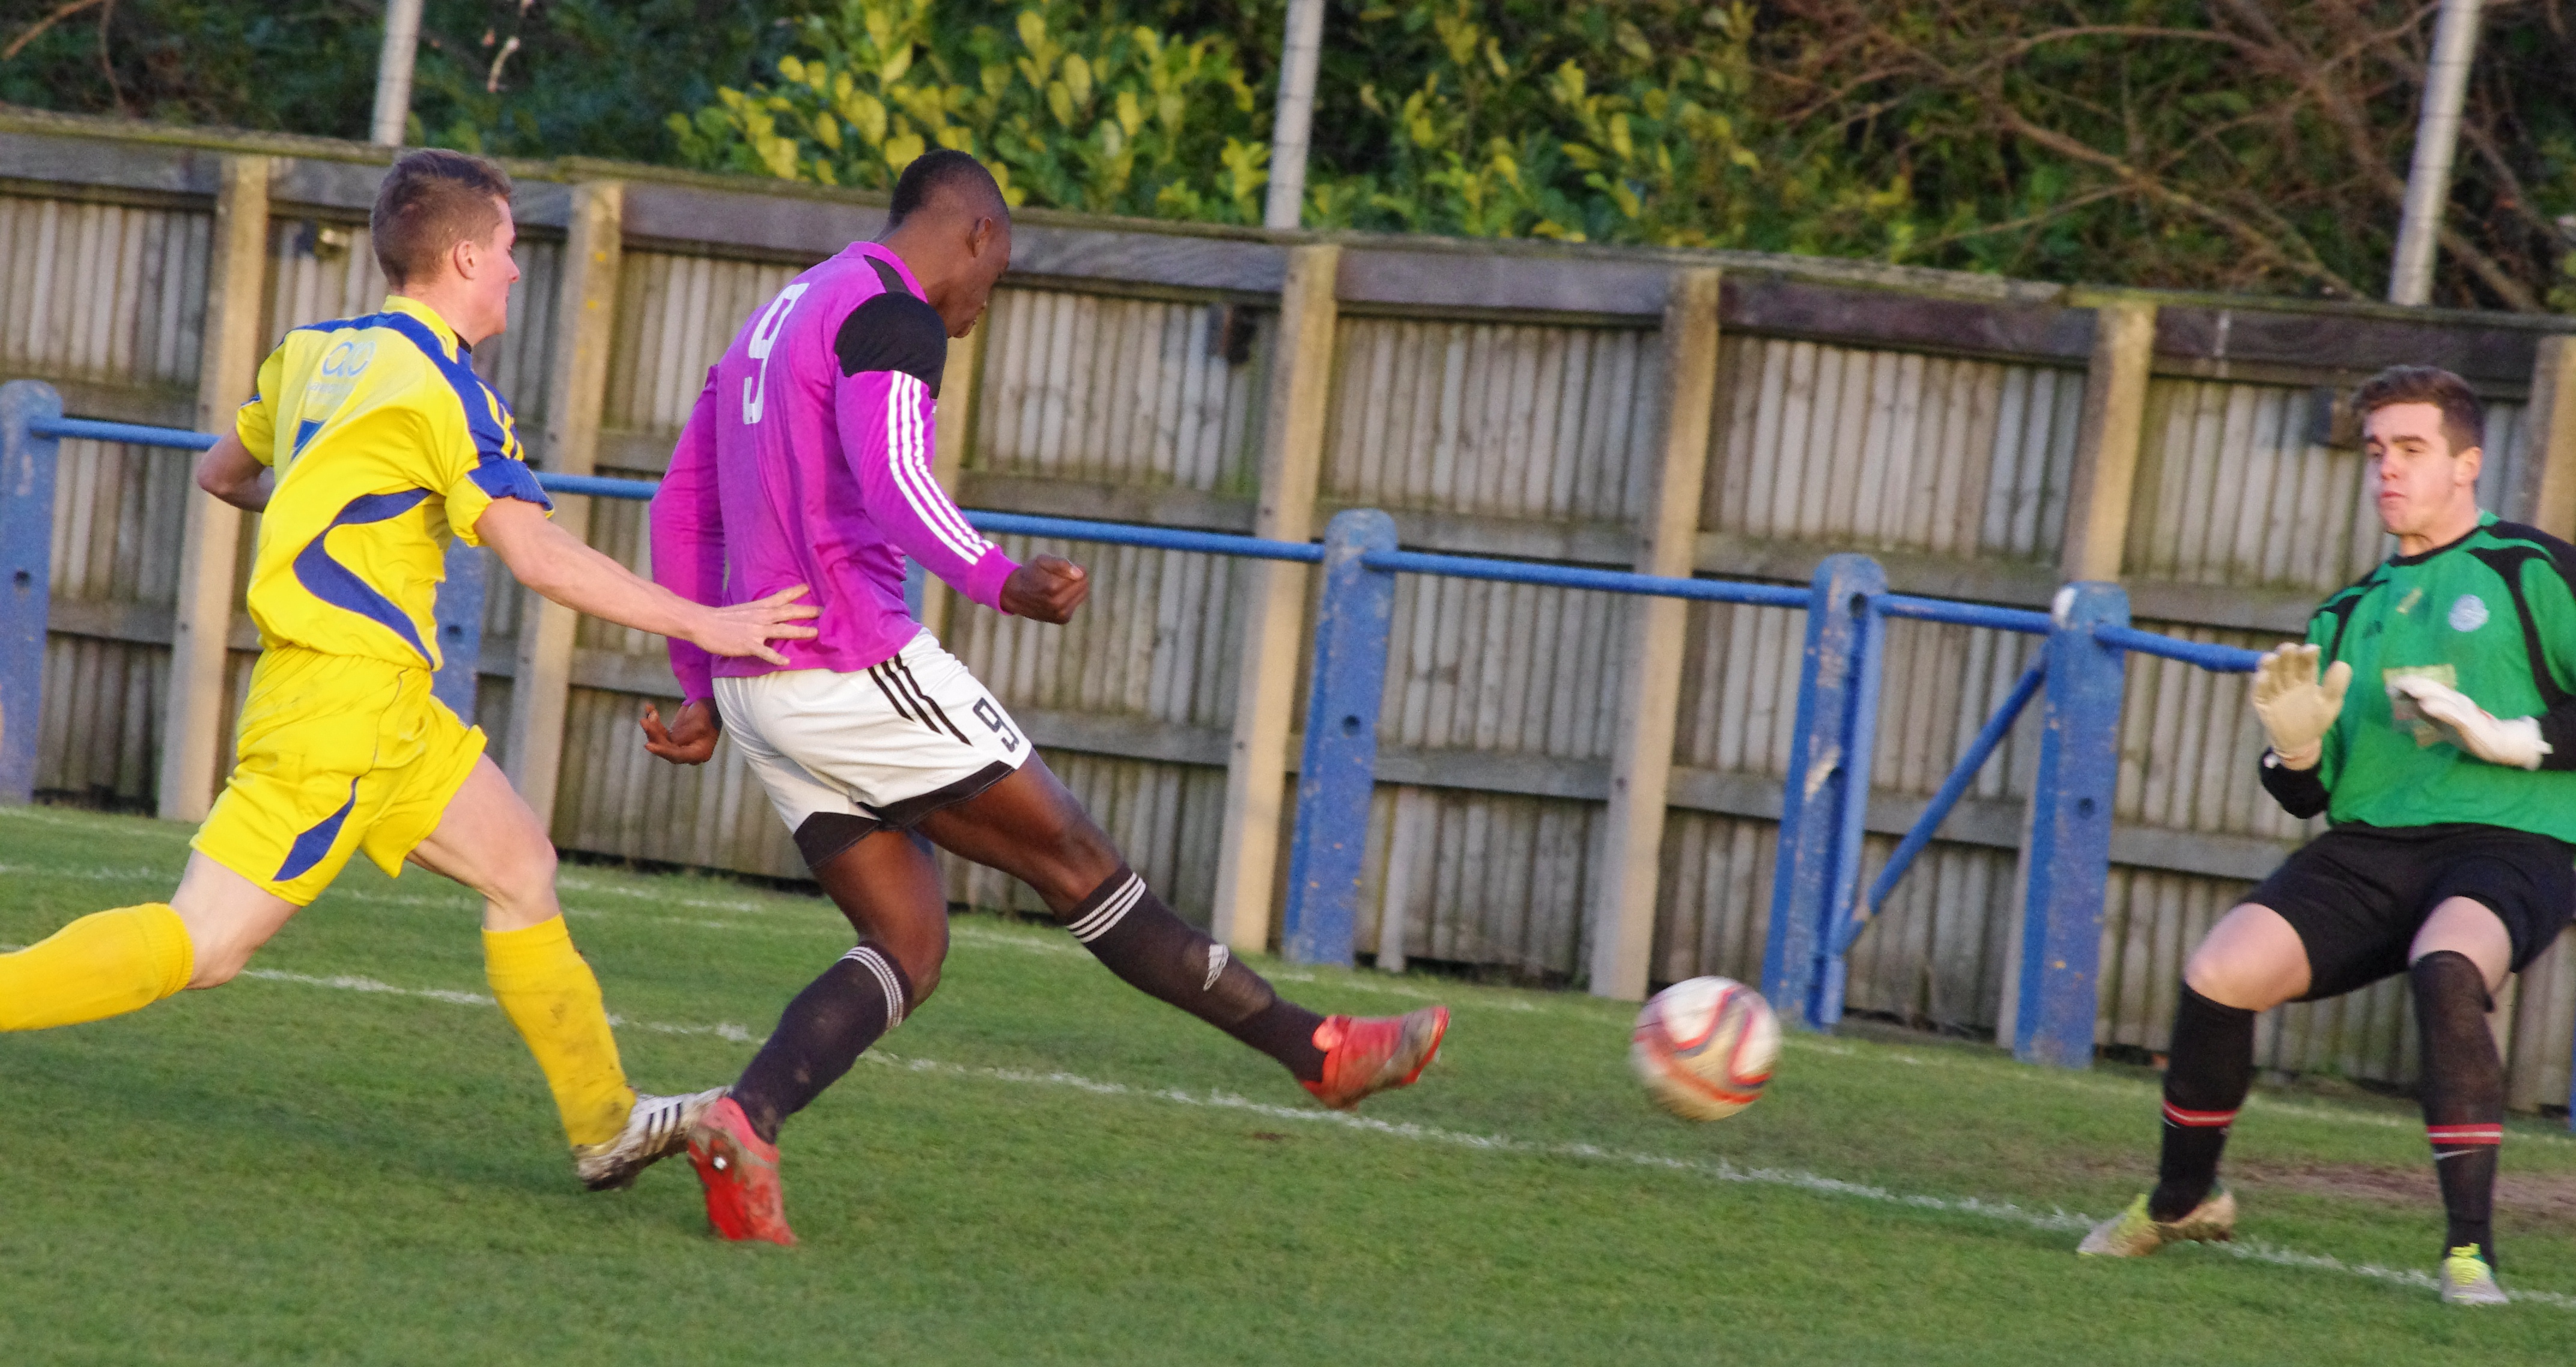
(951, 224)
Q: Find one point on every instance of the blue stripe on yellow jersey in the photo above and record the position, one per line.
(396, 446)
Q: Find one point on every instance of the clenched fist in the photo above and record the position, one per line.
(1047, 588)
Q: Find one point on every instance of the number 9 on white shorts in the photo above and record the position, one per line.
(893, 742)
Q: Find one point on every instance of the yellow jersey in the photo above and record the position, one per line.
(386, 444)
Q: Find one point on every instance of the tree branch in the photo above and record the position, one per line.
(36, 30)
(2253, 239)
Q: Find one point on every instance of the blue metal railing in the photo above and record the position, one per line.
(2215, 658)
(1574, 577)
(133, 434)
(1816, 908)
(1946, 797)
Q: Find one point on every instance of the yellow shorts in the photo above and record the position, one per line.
(336, 754)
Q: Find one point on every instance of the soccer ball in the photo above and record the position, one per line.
(1705, 1046)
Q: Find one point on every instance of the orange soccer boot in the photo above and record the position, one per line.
(740, 1172)
(1364, 1055)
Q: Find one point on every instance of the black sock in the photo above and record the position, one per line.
(1129, 929)
(822, 1033)
(2463, 1094)
(2207, 1074)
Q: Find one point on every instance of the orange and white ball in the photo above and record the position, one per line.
(1705, 1046)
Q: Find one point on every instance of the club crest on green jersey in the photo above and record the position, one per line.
(2469, 613)
(2404, 712)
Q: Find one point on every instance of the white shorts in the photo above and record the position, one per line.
(891, 743)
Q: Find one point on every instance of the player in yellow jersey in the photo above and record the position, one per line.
(370, 444)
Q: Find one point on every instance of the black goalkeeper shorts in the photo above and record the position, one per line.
(2358, 894)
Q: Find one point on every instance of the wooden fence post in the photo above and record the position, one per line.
(1274, 595)
(1623, 912)
(2550, 438)
(577, 389)
(2112, 425)
(2109, 433)
(227, 375)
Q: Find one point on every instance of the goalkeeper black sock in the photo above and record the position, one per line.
(822, 1033)
(1128, 928)
(2207, 1074)
(2463, 1093)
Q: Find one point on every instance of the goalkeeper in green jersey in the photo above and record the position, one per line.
(2431, 716)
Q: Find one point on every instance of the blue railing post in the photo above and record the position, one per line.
(1827, 795)
(2070, 832)
(1340, 765)
(460, 629)
(26, 576)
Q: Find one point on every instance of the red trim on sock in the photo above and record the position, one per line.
(2464, 1134)
(2198, 1120)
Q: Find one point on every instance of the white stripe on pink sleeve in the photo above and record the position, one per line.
(918, 405)
(940, 502)
(902, 432)
(904, 441)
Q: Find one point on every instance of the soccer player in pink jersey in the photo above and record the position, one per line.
(807, 461)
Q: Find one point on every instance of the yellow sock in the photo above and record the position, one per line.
(549, 993)
(104, 964)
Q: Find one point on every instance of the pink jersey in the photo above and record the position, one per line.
(807, 461)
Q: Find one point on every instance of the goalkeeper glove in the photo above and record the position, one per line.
(2512, 741)
(2297, 710)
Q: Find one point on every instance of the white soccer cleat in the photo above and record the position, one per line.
(2134, 1234)
(2467, 1280)
(657, 1128)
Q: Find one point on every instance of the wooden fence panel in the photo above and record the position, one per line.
(106, 295)
(1889, 450)
(1117, 390)
(101, 292)
(1504, 420)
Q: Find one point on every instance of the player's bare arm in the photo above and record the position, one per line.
(557, 564)
(230, 472)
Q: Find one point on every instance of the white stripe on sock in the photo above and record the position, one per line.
(868, 958)
(1102, 918)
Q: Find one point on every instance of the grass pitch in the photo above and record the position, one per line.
(350, 1158)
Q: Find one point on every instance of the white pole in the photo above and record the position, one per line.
(2437, 131)
(393, 72)
(1295, 116)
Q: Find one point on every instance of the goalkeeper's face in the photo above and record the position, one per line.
(2425, 489)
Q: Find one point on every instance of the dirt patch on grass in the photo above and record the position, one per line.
(2547, 1196)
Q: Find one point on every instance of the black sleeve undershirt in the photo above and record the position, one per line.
(2299, 791)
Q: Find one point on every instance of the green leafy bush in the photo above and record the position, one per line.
(1106, 117)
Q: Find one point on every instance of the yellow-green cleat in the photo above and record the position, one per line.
(2467, 1280)
(2134, 1234)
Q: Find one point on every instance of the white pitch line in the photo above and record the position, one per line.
(1717, 1169)
(984, 938)
(350, 982)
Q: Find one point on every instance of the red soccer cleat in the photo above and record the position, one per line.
(1364, 1055)
(740, 1173)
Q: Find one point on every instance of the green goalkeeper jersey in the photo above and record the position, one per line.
(2493, 615)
